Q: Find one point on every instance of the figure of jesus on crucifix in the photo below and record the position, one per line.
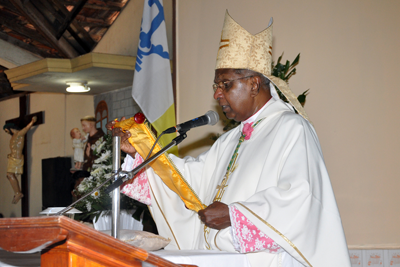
(16, 157)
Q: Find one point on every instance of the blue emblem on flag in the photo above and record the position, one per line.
(145, 46)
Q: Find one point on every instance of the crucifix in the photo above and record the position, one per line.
(23, 122)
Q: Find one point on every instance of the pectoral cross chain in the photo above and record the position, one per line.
(221, 187)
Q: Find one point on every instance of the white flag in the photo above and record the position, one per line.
(152, 83)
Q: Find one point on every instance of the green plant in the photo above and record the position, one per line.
(99, 201)
(285, 72)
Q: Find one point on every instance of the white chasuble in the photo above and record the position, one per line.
(279, 183)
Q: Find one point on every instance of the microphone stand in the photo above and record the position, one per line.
(120, 177)
(125, 176)
(116, 166)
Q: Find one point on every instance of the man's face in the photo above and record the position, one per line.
(235, 100)
(87, 126)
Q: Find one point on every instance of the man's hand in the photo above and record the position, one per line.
(216, 216)
(34, 119)
(125, 145)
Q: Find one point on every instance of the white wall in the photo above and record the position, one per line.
(349, 60)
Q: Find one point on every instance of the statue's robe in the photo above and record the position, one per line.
(89, 159)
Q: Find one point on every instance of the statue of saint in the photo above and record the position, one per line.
(16, 158)
(89, 127)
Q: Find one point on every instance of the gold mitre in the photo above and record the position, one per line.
(239, 49)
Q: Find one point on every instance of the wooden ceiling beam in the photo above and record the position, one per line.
(5, 86)
(94, 24)
(79, 40)
(44, 28)
(84, 34)
(70, 17)
(90, 5)
(112, 6)
(31, 48)
(80, 34)
(15, 26)
(97, 22)
(49, 12)
(7, 4)
(109, 8)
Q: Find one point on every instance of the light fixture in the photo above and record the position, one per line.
(77, 87)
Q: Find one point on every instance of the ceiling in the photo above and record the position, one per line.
(39, 30)
(101, 72)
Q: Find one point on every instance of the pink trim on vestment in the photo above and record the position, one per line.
(137, 188)
(248, 237)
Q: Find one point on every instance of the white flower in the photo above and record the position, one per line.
(83, 186)
(96, 194)
(103, 157)
(100, 147)
(89, 206)
(97, 172)
(108, 167)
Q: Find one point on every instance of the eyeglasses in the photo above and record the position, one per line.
(225, 85)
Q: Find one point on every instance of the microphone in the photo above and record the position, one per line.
(211, 117)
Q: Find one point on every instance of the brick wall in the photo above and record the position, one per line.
(120, 103)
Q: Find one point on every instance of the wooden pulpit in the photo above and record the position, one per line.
(65, 242)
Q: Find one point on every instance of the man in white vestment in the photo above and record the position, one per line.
(265, 184)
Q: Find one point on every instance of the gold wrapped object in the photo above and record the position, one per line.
(142, 140)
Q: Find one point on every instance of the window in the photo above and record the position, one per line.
(102, 115)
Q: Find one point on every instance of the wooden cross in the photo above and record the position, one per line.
(23, 119)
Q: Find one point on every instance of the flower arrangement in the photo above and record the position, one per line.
(99, 201)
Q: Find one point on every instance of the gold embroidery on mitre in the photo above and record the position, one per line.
(221, 45)
(252, 52)
(245, 50)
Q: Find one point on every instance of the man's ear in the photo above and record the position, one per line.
(255, 85)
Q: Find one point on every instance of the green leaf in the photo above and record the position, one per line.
(293, 71)
(302, 98)
(296, 60)
(279, 59)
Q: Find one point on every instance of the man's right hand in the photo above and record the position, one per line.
(125, 145)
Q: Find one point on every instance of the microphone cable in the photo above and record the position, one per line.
(151, 150)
